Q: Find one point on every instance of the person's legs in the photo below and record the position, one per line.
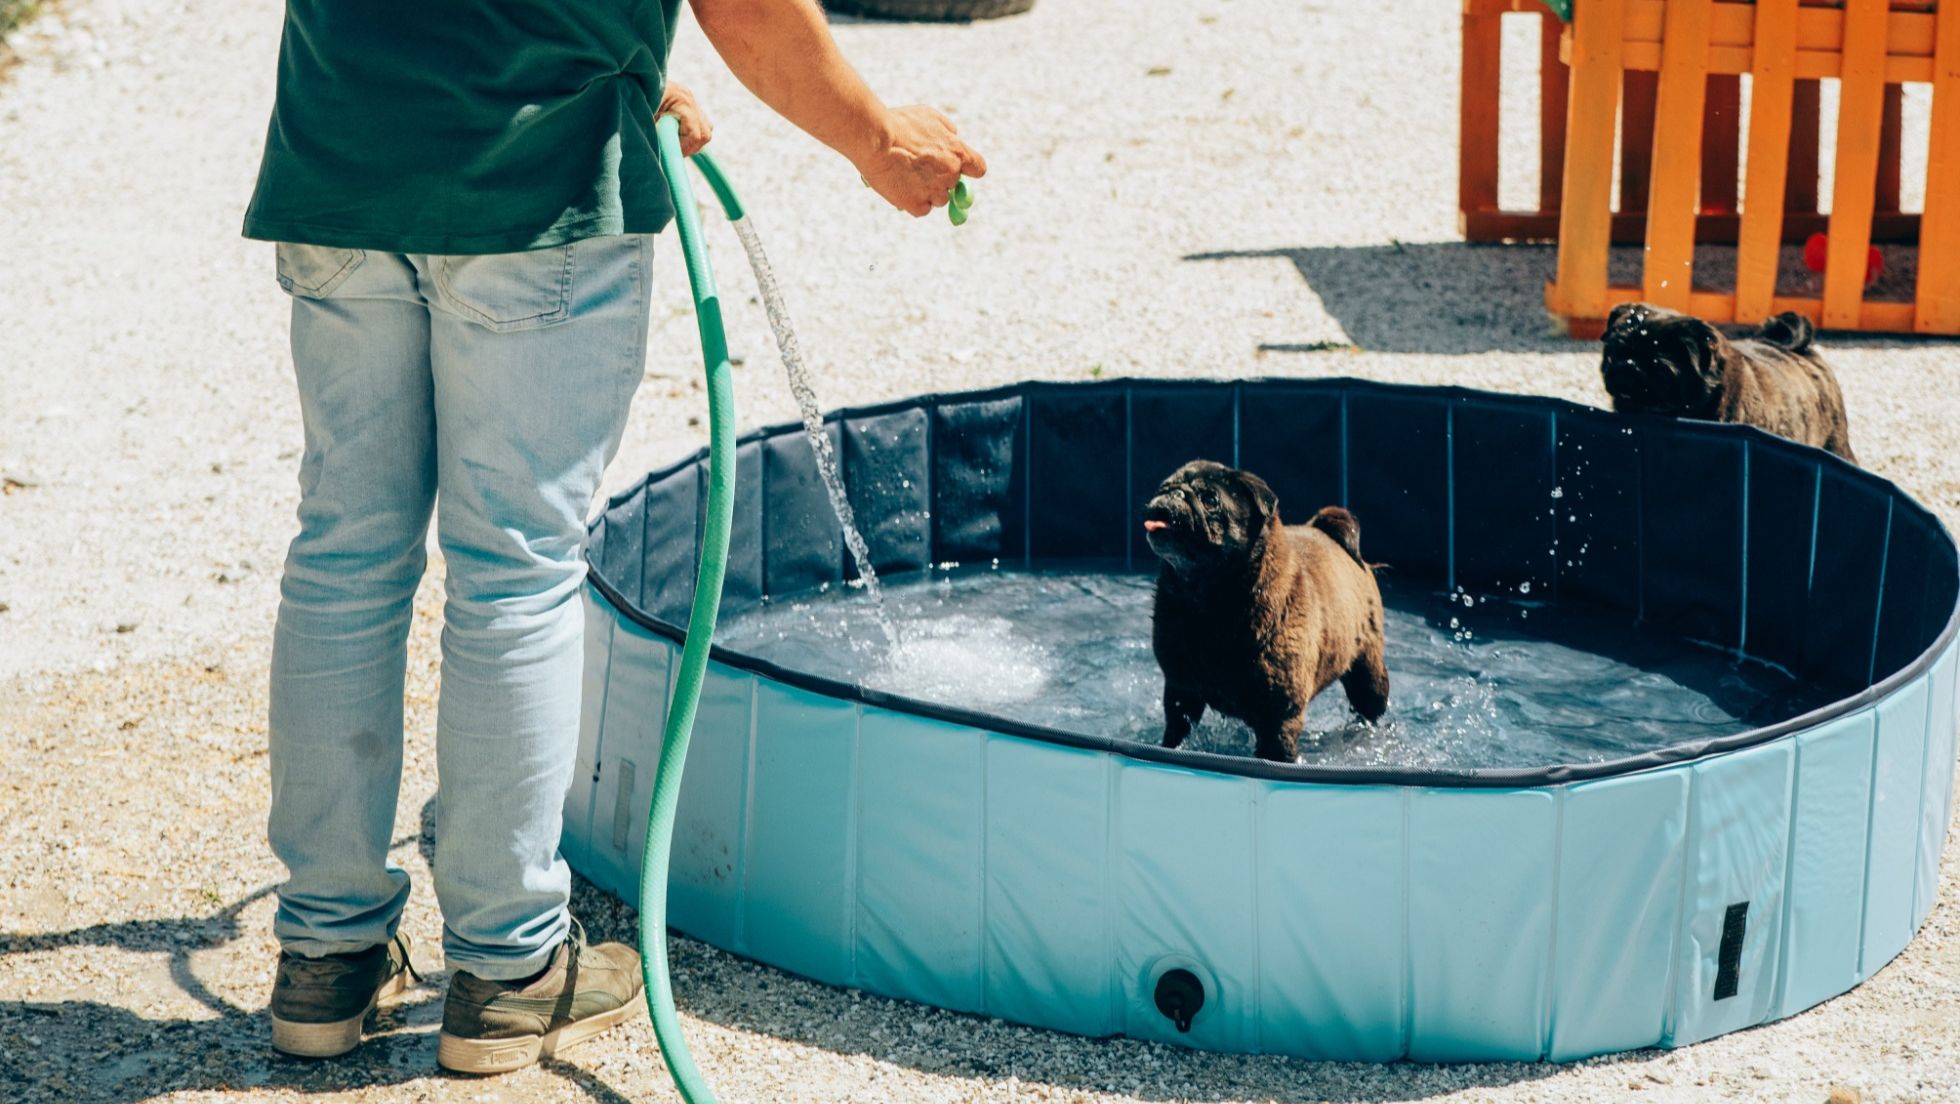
(360, 337)
(536, 357)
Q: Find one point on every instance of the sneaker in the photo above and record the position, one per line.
(495, 1026)
(319, 1005)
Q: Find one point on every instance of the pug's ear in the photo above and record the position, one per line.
(1707, 342)
(1626, 314)
(1263, 498)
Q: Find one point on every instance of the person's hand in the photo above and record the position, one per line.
(917, 160)
(678, 101)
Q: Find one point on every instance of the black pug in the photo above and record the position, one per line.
(1659, 361)
(1253, 618)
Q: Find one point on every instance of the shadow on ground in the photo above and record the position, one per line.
(136, 1058)
(1456, 297)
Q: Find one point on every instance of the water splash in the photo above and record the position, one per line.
(806, 402)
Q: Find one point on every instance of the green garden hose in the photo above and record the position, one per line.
(701, 619)
(707, 591)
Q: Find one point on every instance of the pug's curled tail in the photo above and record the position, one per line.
(1789, 330)
(1339, 524)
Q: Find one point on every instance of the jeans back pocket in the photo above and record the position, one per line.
(314, 271)
(508, 291)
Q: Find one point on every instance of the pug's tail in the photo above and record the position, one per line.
(1339, 524)
(1789, 330)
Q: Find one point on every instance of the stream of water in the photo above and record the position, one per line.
(806, 402)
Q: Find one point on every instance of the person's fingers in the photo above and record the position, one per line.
(696, 130)
(971, 163)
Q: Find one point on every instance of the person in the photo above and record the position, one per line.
(463, 198)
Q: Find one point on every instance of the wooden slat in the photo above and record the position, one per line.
(1636, 139)
(1861, 104)
(1878, 316)
(1893, 228)
(1721, 136)
(1937, 300)
(1646, 56)
(1552, 89)
(1819, 29)
(1476, 185)
(1806, 111)
(1586, 220)
(1668, 271)
(1771, 91)
(1890, 124)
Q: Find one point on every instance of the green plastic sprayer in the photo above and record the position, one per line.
(707, 590)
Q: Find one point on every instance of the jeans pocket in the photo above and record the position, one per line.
(509, 291)
(314, 271)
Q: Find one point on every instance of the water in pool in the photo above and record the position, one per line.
(1491, 682)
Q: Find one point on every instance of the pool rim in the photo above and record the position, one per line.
(1248, 766)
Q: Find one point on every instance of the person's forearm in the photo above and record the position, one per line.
(783, 52)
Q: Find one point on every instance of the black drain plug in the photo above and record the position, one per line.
(1179, 996)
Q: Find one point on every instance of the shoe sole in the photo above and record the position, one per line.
(460, 1055)
(331, 1040)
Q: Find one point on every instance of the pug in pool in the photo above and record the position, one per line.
(1659, 361)
(1253, 618)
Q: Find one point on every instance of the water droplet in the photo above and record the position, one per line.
(1524, 588)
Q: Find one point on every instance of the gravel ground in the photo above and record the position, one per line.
(1222, 187)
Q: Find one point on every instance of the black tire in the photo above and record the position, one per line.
(936, 11)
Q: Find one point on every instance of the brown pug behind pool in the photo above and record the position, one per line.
(1253, 617)
(1658, 361)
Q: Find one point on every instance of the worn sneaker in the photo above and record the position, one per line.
(319, 1005)
(494, 1026)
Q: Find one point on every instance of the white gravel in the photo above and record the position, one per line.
(1220, 187)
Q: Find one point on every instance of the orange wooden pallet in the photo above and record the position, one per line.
(1668, 73)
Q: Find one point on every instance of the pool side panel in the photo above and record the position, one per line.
(1827, 862)
(1728, 947)
(1480, 923)
(1183, 889)
(1843, 610)
(1782, 500)
(802, 546)
(922, 790)
(1331, 951)
(979, 477)
(1170, 427)
(797, 897)
(1936, 800)
(705, 878)
(1047, 886)
(1619, 897)
(663, 575)
(1691, 536)
(635, 711)
(887, 477)
(1898, 782)
(1291, 436)
(1508, 521)
(576, 842)
(1599, 470)
(1398, 482)
(1077, 467)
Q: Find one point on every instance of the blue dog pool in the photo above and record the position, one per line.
(1755, 831)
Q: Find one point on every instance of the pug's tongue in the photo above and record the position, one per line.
(1155, 526)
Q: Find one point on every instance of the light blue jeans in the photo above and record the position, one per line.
(491, 391)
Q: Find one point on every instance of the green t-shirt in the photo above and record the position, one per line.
(464, 126)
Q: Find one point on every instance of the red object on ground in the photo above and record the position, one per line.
(1817, 251)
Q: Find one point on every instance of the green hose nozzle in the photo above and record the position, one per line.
(957, 200)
